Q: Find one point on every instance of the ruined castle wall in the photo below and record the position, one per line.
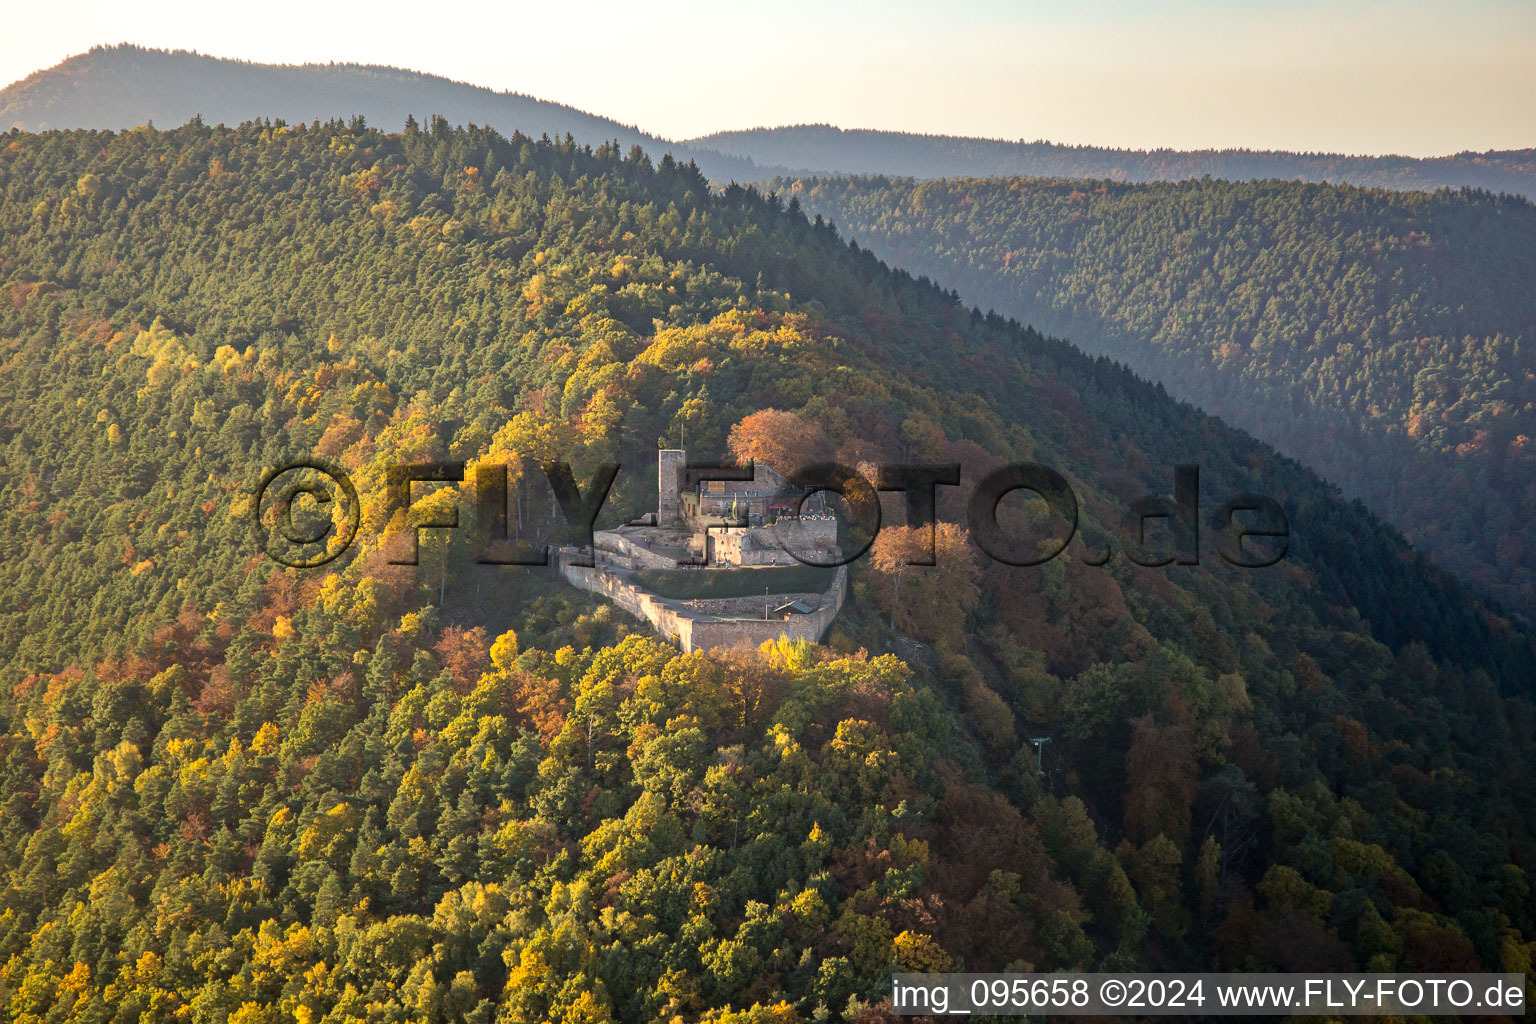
(751, 605)
(750, 632)
(691, 632)
(630, 598)
(631, 555)
(805, 534)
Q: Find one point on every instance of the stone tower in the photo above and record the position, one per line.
(670, 463)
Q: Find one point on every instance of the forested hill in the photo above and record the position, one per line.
(457, 791)
(1386, 339)
(815, 148)
(119, 87)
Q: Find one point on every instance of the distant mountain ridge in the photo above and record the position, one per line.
(116, 87)
(830, 150)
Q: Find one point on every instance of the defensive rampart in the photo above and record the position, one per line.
(702, 625)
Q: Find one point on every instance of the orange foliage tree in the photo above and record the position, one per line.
(930, 601)
(783, 440)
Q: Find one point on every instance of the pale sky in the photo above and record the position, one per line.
(1353, 76)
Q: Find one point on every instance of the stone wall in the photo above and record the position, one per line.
(629, 554)
(741, 546)
(806, 533)
(750, 632)
(811, 539)
(699, 630)
(750, 605)
(642, 605)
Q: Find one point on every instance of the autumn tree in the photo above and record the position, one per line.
(783, 440)
(930, 601)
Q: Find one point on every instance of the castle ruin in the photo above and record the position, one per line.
(710, 567)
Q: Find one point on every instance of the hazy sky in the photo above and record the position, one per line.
(1363, 77)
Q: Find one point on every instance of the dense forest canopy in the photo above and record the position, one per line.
(238, 791)
(824, 149)
(1387, 340)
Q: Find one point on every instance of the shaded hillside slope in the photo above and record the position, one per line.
(1385, 339)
